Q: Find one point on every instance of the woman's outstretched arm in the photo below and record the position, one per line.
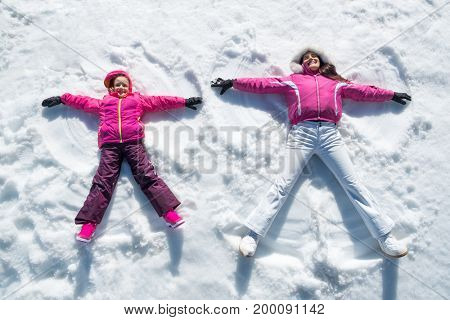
(360, 92)
(256, 85)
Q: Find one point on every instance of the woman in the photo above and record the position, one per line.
(314, 96)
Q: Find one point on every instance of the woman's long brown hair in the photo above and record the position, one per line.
(327, 69)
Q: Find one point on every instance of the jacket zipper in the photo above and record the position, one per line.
(119, 105)
(318, 97)
(140, 123)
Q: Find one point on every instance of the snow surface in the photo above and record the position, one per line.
(318, 247)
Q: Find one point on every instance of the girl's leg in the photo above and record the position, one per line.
(334, 154)
(299, 149)
(158, 193)
(103, 185)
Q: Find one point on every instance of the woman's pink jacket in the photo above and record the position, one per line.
(312, 96)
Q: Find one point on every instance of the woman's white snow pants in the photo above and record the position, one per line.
(322, 138)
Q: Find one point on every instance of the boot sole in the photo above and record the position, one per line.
(84, 239)
(176, 225)
(395, 257)
(244, 255)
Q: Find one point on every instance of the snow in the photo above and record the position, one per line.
(220, 160)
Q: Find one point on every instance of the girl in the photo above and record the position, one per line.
(120, 136)
(314, 96)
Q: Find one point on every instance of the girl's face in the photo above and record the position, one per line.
(312, 61)
(121, 85)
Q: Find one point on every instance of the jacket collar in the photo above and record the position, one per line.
(308, 71)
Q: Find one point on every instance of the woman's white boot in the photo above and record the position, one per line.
(392, 247)
(248, 244)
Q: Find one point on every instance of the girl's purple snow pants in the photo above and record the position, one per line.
(108, 171)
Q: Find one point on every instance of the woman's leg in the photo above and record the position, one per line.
(103, 185)
(157, 192)
(334, 154)
(299, 149)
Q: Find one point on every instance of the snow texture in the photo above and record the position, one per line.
(318, 247)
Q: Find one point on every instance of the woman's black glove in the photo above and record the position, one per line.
(51, 102)
(220, 83)
(190, 102)
(401, 97)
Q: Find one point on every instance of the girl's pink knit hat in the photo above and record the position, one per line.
(113, 74)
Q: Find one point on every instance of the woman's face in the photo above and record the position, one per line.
(312, 61)
(121, 86)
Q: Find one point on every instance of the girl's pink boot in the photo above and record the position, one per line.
(173, 219)
(87, 232)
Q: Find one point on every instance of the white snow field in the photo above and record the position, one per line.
(216, 159)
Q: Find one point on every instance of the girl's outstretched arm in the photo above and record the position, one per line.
(160, 103)
(84, 103)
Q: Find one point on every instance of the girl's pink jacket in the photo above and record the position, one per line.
(120, 118)
(311, 96)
